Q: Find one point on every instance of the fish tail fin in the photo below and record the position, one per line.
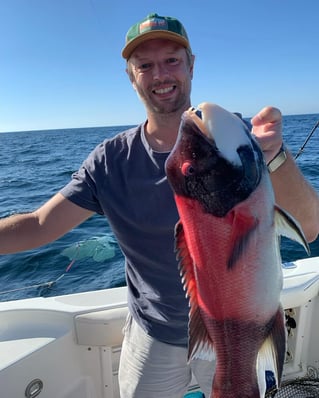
(271, 356)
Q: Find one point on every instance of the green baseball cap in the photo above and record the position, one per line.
(154, 27)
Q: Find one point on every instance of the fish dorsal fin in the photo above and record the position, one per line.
(185, 262)
(287, 226)
(199, 344)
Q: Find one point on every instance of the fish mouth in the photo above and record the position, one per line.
(226, 132)
(203, 117)
(197, 115)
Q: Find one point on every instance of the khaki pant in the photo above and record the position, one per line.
(152, 369)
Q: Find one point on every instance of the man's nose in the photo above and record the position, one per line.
(160, 71)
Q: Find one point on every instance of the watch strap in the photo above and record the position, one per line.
(278, 160)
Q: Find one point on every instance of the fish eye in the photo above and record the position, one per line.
(187, 169)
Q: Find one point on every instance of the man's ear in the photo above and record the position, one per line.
(192, 65)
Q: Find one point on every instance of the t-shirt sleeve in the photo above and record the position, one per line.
(82, 189)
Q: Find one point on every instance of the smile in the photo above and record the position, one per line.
(164, 90)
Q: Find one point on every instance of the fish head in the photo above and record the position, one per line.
(215, 159)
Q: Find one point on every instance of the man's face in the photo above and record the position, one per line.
(161, 73)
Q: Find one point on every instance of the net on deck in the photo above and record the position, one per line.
(299, 388)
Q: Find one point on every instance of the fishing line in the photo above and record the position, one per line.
(44, 284)
(80, 249)
(306, 141)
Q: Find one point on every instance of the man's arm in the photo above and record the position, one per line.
(292, 191)
(295, 194)
(52, 220)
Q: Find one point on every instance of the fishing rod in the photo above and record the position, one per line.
(307, 139)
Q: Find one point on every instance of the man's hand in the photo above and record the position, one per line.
(267, 128)
(292, 190)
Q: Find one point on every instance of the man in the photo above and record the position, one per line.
(124, 179)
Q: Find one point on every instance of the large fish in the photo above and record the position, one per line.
(228, 246)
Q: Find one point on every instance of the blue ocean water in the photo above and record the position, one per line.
(36, 164)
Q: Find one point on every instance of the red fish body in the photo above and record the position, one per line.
(227, 243)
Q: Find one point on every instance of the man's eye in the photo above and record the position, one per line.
(144, 67)
(172, 61)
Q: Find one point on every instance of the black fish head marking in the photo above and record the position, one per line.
(198, 168)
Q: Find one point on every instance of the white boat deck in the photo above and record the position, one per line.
(72, 343)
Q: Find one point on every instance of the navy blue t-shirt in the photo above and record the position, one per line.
(124, 179)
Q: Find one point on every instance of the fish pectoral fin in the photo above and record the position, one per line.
(287, 226)
(243, 225)
(271, 356)
(200, 345)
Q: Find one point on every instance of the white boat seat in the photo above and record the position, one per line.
(101, 328)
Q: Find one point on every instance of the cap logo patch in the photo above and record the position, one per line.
(153, 24)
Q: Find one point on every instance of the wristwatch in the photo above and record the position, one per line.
(278, 160)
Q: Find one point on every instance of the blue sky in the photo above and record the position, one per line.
(61, 65)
